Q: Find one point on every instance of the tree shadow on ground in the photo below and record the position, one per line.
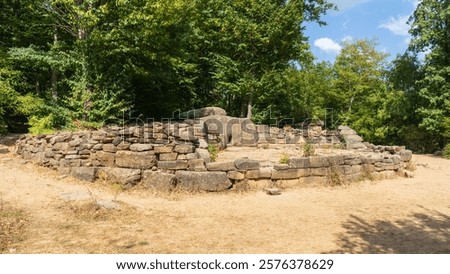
(422, 233)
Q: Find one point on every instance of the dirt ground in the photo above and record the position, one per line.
(392, 216)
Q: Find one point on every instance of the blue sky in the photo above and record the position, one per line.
(382, 20)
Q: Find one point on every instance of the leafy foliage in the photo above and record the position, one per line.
(430, 28)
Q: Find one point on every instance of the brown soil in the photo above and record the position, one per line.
(393, 216)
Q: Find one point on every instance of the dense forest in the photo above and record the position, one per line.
(66, 65)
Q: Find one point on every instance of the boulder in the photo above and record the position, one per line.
(406, 155)
(203, 112)
(203, 181)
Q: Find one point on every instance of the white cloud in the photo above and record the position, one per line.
(347, 4)
(397, 26)
(347, 38)
(327, 45)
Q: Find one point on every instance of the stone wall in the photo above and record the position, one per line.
(175, 155)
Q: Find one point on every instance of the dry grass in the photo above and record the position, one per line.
(12, 226)
(411, 166)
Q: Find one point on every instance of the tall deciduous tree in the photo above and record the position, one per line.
(243, 46)
(430, 28)
(361, 94)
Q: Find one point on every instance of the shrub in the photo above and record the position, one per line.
(446, 151)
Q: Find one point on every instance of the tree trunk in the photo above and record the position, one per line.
(250, 106)
(55, 72)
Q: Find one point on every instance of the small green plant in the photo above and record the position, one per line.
(213, 152)
(446, 151)
(284, 159)
(308, 150)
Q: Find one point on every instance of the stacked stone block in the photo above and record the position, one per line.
(168, 156)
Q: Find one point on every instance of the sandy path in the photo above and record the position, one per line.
(394, 216)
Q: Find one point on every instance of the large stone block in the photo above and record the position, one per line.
(203, 181)
(141, 147)
(105, 158)
(371, 159)
(137, 160)
(300, 162)
(163, 149)
(202, 153)
(168, 156)
(109, 148)
(158, 180)
(320, 171)
(173, 165)
(124, 176)
(196, 165)
(236, 175)
(262, 173)
(184, 149)
(335, 160)
(290, 174)
(221, 166)
(83, 173)
(318, 161)
(355, 161)
(246, 164)
(281, 167)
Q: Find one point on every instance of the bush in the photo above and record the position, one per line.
(446, 151)
(44, 117)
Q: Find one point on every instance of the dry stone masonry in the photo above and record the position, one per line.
(175, 155)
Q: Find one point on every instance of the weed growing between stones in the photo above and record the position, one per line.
(213, 152)
(284, 159)
(335, 177)
(308, 150)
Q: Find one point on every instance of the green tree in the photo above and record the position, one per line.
(244, 46)
(361, 97)
(430, 28)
